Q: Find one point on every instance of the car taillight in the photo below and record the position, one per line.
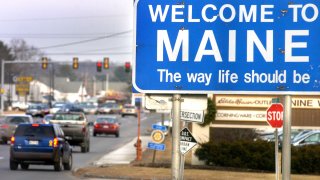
(4, 126)
(84, 129)
(55, 142)
(35, 125)
(12, 140)
(96, 125)
(114, 126)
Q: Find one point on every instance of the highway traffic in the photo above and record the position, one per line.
(99, 146)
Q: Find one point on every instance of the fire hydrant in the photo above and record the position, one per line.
(139, 149)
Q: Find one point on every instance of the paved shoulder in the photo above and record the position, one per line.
(123, 155)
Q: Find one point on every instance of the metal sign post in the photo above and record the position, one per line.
(286, 143)
(176, 108)
(275, 120)
(276, 147)
(182, 160)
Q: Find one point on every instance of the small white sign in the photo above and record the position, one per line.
(193, 116)
(187, 141)
(164, 101)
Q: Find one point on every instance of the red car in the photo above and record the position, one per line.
(106, 125)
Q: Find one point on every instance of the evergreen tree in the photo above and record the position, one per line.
(211, 113)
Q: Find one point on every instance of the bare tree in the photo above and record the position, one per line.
(22, 51)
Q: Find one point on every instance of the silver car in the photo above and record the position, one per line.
(309, 138)
(10, 123)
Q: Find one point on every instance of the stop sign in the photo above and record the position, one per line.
(275, 115)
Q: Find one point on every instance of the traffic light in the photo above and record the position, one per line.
(127, 66)
(75, 63)
(99, 66)
(44, 64)
(106, 63)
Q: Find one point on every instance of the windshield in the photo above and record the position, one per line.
(106, 120)
(48, 118)
(34, 107)
(17, 119)
(69, 117)
(58, 105)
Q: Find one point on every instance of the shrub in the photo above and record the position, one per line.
(258, 155)
(305, 159)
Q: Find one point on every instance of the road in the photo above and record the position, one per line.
(99, 146)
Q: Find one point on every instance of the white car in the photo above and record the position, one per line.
(56, 107)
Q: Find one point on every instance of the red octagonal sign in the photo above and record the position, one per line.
(275, 115)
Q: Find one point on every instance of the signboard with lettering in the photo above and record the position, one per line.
(240, 115)
(22, 89)
(230, 46)
(303, 102)
(192, 116)
(187, 141)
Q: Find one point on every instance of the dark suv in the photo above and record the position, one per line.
(40, 144)
(75, 127)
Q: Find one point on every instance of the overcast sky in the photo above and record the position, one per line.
(62, 29)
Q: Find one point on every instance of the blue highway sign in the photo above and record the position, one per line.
(229, 46)
(155, 146)
(158, 127)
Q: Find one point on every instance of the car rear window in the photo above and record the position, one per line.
(129, 107)
(17, 120)
(35, 131)
(69, 117)
(106, 120)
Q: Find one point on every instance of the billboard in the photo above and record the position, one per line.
(227, 47)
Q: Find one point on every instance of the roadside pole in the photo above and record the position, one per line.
(276, 147)
(154, 151)
(182, 160)
(2, 86)
(286, 143)
(176, 108)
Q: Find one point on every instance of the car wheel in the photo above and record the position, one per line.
(122, 115)
(88, 147)
(117, 134)
(68, 165)
(24, 166)
(13, 165)
(58, 165)
(94, 134)
(85, 147)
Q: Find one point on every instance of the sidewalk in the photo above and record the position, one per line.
(123, 155)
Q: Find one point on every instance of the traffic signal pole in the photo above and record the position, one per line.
(3, 63)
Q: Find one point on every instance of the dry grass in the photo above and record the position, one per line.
(160, 169)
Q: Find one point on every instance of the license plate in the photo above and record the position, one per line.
(105, 126)
(33, 142)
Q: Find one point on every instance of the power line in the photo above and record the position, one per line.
(100, 53)
(85, 41)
